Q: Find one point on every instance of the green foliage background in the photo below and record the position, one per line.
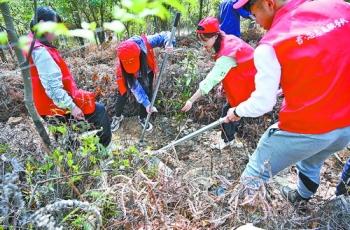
(100, 11)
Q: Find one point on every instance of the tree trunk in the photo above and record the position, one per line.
(11, 52)
(99, 32)
(127, 24)
(77, 21)
(2, 55)
(2, 51)
(164, 25)
(24, 64)
(200, 14)
(102, 35)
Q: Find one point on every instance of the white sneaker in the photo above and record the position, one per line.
(116, 123)
(222, 144)
(142, 122)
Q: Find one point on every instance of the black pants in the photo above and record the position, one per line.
(99, 118)
(228, 129)
(147, 85)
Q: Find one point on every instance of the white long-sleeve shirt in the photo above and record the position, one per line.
(267, 81)
(51, 78)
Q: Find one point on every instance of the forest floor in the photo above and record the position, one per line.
(203, 191)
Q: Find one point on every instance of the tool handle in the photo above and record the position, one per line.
(177, 19)
(194, 134)
(172, 35)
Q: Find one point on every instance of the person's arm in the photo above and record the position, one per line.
(140, 94)
(221, 68)
(142, 97)
(51, 78)
(244, 13)
(267, 81)
(160, 40)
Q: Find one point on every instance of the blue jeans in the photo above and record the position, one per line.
(279, 149)
(344, 180)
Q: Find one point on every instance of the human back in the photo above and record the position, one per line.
(315, 70)
(239, 82)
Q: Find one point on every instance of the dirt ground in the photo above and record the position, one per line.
(199, 166)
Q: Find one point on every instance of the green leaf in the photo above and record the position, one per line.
(126, 163)
(95, 194)
(3, 148)
(188, 81)
(155, 11)
(96, 173)
(24, 43)
(89, 26)
(93, 159)
(70, 161)
(87, 226)
(83, 33)
(30, 168)
(122, 14)
(175, 4)
(95, 3)
(62, 129)
(50, 27)
(135, 6)
(115, 26)
(3, 38)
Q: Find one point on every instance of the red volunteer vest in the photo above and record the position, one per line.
(151, 62)
(311, 40)
(239, 81)
(44, 105)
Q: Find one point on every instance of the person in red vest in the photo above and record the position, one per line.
(305, 51)
(234, 68)
(55, 92)
(135, 70)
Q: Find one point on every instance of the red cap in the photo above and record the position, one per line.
(129, 55)
(208, 25)
(238, 4)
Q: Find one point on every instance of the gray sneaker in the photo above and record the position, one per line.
(292, 195)
(116, 123)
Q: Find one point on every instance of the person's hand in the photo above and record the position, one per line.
(151, 110)
(187, 106)
(280, 93)
(220, 91)
(251, 17)
(169, 49)
(77, 113)
(230, 117)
